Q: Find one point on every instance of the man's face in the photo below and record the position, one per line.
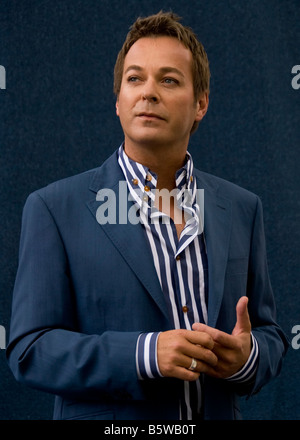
(156, 103)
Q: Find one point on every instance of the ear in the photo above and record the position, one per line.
(202, 106)
(117, 107)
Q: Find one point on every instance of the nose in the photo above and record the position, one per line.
(150, 92)
(150, 98)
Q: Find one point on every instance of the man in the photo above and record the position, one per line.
(152, 318)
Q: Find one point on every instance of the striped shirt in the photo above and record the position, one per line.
(181, 266)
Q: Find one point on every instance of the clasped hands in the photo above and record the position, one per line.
(217, 353)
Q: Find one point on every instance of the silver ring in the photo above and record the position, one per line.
(193, 365)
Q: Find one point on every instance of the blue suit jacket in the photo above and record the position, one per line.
(85, 291)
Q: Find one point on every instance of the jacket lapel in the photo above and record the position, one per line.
(217, 229)
(128, 238)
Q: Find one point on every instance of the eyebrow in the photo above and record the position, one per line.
(166, 69)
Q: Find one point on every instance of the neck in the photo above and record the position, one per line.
(164, 162)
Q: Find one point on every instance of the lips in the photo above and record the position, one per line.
(151, 115)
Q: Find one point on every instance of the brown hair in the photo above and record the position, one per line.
(167, 24)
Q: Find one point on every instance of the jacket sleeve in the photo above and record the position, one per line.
(271, 340)
(46, 350)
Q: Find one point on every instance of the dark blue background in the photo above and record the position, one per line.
(57, 118)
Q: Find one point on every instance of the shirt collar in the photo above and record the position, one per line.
(142, 181)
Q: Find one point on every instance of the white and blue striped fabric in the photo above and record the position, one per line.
(181, 266)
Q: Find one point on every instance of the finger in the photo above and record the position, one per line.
(183, 373)
(224, 355)
(200, 367)
(243, 324)
(195, 348)
(205, 355)
(186, 374)
(200, 338)
(218, 336)
(181, 369)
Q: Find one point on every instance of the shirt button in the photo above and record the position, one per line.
(135, 181)
(185, 309)
(146, 188)
(149, 177)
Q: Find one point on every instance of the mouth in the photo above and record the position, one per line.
(150, 116)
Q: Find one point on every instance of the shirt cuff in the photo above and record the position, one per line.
(146, 356)
(250, 367)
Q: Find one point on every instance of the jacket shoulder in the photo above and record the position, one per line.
(76, 186)
(223, 187)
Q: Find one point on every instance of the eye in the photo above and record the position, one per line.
(170, 81)
(133, 79)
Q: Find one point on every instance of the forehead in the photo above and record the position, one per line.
(152, 52)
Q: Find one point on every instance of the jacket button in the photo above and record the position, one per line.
(185, 309)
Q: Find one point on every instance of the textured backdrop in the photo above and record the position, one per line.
(57, 118)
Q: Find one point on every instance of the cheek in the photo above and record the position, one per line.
(182, 101)
(183, 109)
(125, 103)
(121, 108)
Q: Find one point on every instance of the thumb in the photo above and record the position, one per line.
(243, 324)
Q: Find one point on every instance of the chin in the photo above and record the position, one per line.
(152, 142)
(151, 137)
